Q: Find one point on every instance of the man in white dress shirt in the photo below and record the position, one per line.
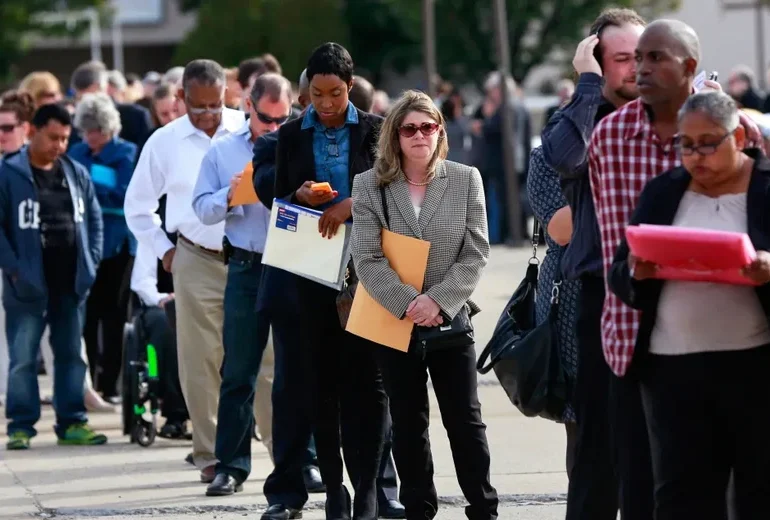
(169, 165)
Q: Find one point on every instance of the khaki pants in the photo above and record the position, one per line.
(199, 286)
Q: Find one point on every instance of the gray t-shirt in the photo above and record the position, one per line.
(708, 317)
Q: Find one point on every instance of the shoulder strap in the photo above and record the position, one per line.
(384, 205)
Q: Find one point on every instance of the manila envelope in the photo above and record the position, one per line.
(368, 319)
(244, 193)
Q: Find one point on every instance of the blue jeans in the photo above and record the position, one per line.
(23, 331)
(245, 337)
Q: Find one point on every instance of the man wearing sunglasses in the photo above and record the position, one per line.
(225, 166)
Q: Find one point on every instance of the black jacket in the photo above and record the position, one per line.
(295, 163)
(658, 204)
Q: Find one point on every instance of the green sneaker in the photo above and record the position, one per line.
(81, 435)
(18, 441)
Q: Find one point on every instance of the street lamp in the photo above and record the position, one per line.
(91, 16)
(429, 45)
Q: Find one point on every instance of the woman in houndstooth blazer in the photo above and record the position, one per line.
(442, 202)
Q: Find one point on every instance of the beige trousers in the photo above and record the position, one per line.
(199, 286)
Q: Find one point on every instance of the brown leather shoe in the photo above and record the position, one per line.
(208, 474)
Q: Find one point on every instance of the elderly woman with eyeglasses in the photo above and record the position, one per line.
(704, 377)
(110, 160)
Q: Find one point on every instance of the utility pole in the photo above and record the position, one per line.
(429, 44)
(512, 191)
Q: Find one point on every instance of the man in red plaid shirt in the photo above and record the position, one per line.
(628, 148)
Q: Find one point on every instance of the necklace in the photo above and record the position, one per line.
(417, 183)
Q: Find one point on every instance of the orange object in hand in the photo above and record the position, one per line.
(322, 187)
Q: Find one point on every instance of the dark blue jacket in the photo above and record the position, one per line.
(111, 171)
(21, 250)
(264, 167)
(565, 139)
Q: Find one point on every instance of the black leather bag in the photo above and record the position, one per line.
(525, 356)
(451, 334)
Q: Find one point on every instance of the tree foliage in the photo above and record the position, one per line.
(229, 31)
(387, 35)
(18, 24)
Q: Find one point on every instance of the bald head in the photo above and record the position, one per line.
(683, 39)
(304, 89)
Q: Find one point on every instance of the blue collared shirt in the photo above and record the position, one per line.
(245, 226)
(331, 150)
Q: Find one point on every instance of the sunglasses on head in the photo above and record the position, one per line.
(266, 119)
(7, 129)
(425, 128)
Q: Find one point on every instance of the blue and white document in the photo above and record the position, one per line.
(294, 244)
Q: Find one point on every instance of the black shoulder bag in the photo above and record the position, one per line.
(525, 356)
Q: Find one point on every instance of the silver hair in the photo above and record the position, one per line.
(117, 80)
(173, 75)
(204, 72)
(494, 80)
(717, 106)
(89, 74)
(274, 86)
(97, 111)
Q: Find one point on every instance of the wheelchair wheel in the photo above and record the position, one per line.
(144, 432)
(130, 383)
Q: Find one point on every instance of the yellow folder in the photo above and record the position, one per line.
(368, 319)
(244, 193)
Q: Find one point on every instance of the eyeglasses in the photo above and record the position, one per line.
(270, 120)
(7, 129)
(703, 149)
(425, 129)
(197, 111)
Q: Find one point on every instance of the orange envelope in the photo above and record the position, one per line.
(368, 319)
(244, 192)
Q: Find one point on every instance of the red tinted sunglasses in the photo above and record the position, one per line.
(425, 128)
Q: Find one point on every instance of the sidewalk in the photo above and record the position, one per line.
(121, 480)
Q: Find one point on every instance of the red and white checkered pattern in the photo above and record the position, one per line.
(624, 154)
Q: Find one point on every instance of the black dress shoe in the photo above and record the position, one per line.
(313, 481)
(338, 504)
(189, 459)
(223, 485)
(392, 509)
(281, 512)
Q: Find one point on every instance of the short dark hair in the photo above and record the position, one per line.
(203, 72)
(53, 112)
(20, 103)
(247, 68)
(362, 94)
(132, 78)
(613, 17)
(88, 74)
(332, 59)
(162, 91)
(271, 85)
(271, 64)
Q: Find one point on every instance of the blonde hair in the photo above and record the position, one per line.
(387, 166)
(39, 83)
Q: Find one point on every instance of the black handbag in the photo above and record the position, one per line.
(451, 334)
(524, 355)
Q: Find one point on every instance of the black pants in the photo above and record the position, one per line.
(707, 414)
(453, 373)
(593, 486)
(107, 306)
(292, 389)
(159, 332)
(347, 391)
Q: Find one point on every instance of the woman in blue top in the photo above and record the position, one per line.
(332, 143)
(110, 160)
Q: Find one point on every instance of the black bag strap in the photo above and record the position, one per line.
(384, 205)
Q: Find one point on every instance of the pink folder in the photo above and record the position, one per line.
(692, 254)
